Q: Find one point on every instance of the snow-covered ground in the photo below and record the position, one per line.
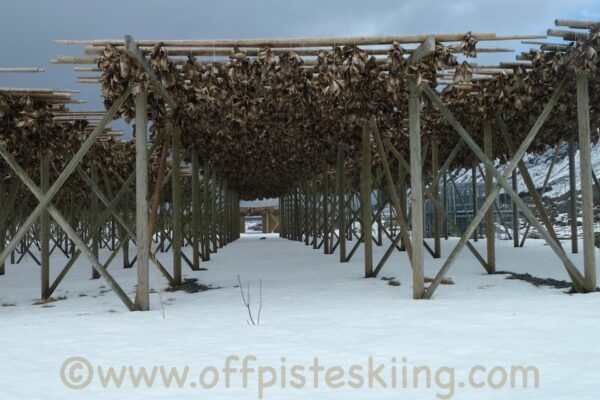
(313, 306)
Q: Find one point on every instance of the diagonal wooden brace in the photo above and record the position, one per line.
(392, 187)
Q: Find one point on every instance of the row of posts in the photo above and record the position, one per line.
(324, 212)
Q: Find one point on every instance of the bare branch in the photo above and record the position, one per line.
(259, 300)
(246, 300)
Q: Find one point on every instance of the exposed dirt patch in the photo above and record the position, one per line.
(535, 281)
(391, 280)
(190, 285)
(445, 281)
(49, 300)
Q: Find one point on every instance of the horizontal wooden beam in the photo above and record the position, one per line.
(575, 24)
(567, 35)
(37, 90)
(254, 52)
(22, 70)
(308, 42)
(513, 64)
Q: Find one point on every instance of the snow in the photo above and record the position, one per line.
(538, 165)
(313, 306)
(559, 180)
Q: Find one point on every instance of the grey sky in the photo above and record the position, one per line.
(28, 27)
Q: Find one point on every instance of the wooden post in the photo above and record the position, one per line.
(305, 207)
(289, 215)
(332, 213)
(416, 182)
(214, 211)
(243, 224)
(475, 198)
(489, 188)
(234, 216)
(379, 202)
(95, 233)
(365, 195)
(73, 214)
(573, 194)
(515, 211)
(12, 233)
(282, 221)
(435, 188)
(206, 206)
(445, 191)
(44, 227)
(142, 296)
(297, 231)
(292, 215)
(267, 224)
(225, 216)
(280, 218)
(402, 199)
(124, 238)
(341, 189)
(315, 216)
(196, 209)
(587, 190)
(221, 215)
(9, 217)
(325, 207)
(176, 204)
(3, 228)
(113, 233)
(229, 234)
(288, 220)
(161, 221)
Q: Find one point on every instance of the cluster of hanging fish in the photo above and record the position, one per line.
(266, 123)
(28, 129)
(519, 97)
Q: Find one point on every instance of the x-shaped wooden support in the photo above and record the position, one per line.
(502, 184)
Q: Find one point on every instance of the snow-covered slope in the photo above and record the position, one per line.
(538, 166)
(559, 179)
